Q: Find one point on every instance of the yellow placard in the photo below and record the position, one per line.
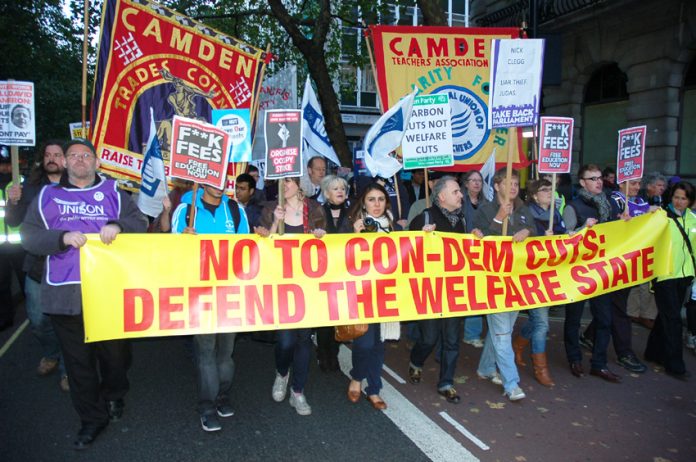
(146, 285)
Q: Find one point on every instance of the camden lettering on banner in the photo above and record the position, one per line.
(249, 283)
(151, 56)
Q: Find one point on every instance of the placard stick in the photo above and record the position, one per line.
(192, 216)
(14, 158)
(366, 34)
(398, 198)
(508, 176)
(281, 202)
(254, 115)
(85, 46)
(553, 201)
(427, 189)
(535, 152)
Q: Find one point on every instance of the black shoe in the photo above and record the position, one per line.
(606, 374)
(684, 376)
(414, 375)
(210, 423)
(115, 409)
(451, 395)
(224, 410)
(87, 434)
(586, 343)
(632, 364)
(576, 369)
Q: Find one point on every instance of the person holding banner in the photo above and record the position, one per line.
(665, 341)
(98, 371)
(497, 349)
(591, 206)
(447, 215)
(48, 171)
(371, 214)
(299, 215)
(473, 199)
(335, 191)
(215, 213)
(536, 327)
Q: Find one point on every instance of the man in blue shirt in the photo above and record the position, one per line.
(215, 213)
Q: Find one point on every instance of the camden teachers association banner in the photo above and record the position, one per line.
(193, 284)
(454, 61)
(151, 56)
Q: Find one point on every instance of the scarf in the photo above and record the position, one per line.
(453, 216)
(599, 202)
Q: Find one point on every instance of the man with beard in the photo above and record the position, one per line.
(48, 170)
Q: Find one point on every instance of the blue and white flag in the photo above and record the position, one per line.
(385, 136)
(153, 187)
(314, 138)
(487, 173)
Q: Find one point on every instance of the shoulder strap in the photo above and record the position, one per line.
(685, 237)
(234, 210)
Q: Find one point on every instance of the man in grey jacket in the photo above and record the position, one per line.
(56, 225)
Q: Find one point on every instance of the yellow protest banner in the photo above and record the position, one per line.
(453, 61)
(146, 285)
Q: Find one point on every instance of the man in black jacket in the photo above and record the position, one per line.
(446, 215)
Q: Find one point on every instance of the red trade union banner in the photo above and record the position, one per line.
(151, 56)
(454, 61)
(631, 153)
(199, 152)
(556, 144)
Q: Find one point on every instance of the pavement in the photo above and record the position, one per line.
(649, 417)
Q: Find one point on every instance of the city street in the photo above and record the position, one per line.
(648, 417)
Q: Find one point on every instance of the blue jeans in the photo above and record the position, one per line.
(449, 332)
(41, 325)
(215, 365)
(473, 327)
(536, 328)
(368, 359)
(497, 350)
(294, 346)
(601, 316)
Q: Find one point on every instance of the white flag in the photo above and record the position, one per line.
(487, 172)
(316, 141)
(385, 136)
(153, 187)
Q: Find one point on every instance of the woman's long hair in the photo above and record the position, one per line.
(357, 211)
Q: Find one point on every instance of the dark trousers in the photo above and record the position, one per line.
(601, 315)
(665, 341)
(620, 324)
(368, 359)
(11, 259)
(327, 346)
(86, 362)
(294, 346)
(431, 330)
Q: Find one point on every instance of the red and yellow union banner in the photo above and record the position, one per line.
(453, 61)
(151, 56)
(145, 285)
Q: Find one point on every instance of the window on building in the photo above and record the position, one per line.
(687, 136)
(604, 114)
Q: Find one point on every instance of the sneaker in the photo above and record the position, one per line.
(475, 342)
(280, 387)
(632, 364)
(515, 394)
(46, 366)
(299, 402)
(414, 374)
(495, 378)
(586, 343)
(210, 423)
(690, 342)
(224, 410)
(64, 384)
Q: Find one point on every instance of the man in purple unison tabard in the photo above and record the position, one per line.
(55, 225)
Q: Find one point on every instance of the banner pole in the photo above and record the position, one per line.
(254, 114)
(553, 201)
(366, 34)
(508, 176)
(281, 202)
(427, 189)
(85, 47)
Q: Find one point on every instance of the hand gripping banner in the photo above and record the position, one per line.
(194, 284)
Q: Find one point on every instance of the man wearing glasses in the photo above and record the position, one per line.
(590, 206)
(55, 225)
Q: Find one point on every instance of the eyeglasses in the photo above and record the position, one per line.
(592, 178)
(79, 155)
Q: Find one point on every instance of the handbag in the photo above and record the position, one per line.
(349, 332)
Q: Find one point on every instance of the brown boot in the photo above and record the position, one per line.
(541, 369)
(519, 343)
